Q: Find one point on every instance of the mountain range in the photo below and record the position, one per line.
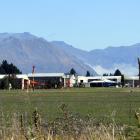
(26, 50)
(107, 60)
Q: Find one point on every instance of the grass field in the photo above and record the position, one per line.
(101, 103)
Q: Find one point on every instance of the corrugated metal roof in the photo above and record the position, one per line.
(25, 76)
(102, 81)
(46, 75)
(100, 77)
(20, 76)
(131, 78)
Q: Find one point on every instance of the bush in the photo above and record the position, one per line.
(4, 83)
(15, 83)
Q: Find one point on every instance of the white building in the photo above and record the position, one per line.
(56, 80)
(132, 81)
(21, 77)
(99, 80)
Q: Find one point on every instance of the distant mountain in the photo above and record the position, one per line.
(111, 58)
(106, 60)
(26, 50)
(78, 53)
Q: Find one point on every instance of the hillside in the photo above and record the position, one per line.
(107, 60)
(26, 50)
(123, 57)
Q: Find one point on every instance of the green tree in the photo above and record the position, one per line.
(4, 83)
(87, 74)
(122, 80)
(6, 68)
(72, 71)
(105, 74)
(117, 73)
(111, 74)
(2, 71)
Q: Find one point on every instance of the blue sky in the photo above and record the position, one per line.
(85, 24)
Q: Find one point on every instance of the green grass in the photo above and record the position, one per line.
(98, 102)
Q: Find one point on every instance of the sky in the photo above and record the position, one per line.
(85, 24)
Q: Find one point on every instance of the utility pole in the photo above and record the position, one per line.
(139, 70)
(33, 71)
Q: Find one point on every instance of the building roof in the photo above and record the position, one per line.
(20, 76)
(102, 81)
(131, 77)
(101, 77)
(46, 75)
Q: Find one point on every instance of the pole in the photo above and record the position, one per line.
(33, 71)
(139, 70)
(33, 82)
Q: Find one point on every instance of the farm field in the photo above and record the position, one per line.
(100, 103)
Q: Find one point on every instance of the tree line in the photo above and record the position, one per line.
(8, 68)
